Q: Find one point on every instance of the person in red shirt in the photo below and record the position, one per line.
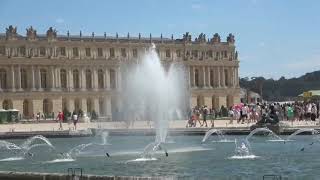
(60, 119)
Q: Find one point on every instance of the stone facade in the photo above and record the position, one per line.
(49, 72)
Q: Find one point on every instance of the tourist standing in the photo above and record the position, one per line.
(60, 119)
(204, 115)
(75, 120)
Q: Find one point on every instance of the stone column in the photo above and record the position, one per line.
(83, 79)
(57, 79)
(190, 75)
(218, 77)
(95, 79)
(52, 78)
(107, 79)
(19, 78)
(209, 77)
(204, 81)
(38, 78)
(70, 80)
(118, 78)
(193, 77)
(83, 104)
(70, 105)
(237, 77)
(96, 106)
(223, 77)
(108, 107)
(33, 86)
(13, 86)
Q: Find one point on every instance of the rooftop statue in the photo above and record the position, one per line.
(31, 33)
(230, 38)
(11, 32)
(216, 38)
(187, 37)
(51, 33)
(201, 38)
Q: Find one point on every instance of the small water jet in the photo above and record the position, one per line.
(243, 150)
(219, 133)
(264, 130)
(304, 130)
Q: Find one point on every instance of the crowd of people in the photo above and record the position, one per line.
(252, 113)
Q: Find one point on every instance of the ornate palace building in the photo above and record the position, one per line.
(49, 72)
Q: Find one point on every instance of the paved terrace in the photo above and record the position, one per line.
(141, 125)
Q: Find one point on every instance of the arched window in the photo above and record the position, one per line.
(47, 107)
(196, 77)
(44, 78)
(112, 79)
(63, 78)
(7, 104)
(77, 106)
(27, 109)
(24, 77)
(88, 79)
(102, 108)
(76, 82)
(89, 105)
(100, 79)
(3, 79)
(226, 80)
(211, 78)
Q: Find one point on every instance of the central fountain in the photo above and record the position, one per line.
(155, 92)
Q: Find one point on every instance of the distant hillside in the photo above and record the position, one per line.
(282, 89)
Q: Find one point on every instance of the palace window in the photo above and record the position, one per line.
(43, 78)
(7, 104)
(42, 51)
(211, 78)
(24, 77)
(100, 79)
(196, 77)
(225, 54)
(178, 52)
(135, 53)
(123, 52)
(63, 78)
(63, 51)
(112, 52)
(88, 52)
(100, 52)
(195, 53)
(88, 79)
(75, 52)
(76, 81)
(3, 79)
(210, 54)
(27, 105)
(112, 79)
(217, 56)
(22, 51)
(168, 53)
(2, 50)
(226, 80)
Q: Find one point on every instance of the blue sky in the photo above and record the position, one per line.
(274, 37)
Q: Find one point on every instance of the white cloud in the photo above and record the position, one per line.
(262, 44)
(59, 20)
(196, 6)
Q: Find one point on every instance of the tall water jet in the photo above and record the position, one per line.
(153, 92)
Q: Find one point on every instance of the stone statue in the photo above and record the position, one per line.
(161, 36)
(171, 36)
(216, 38)
(128, 35)
(201, 38)
(51, 33)
(230, 39)
(187, 37)
(117, 36)
(92, 35)
(11, 32)
(105, 35)
(236, 55)
(139, 36)
(68, 34)
(31, 33)
(80, 34)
